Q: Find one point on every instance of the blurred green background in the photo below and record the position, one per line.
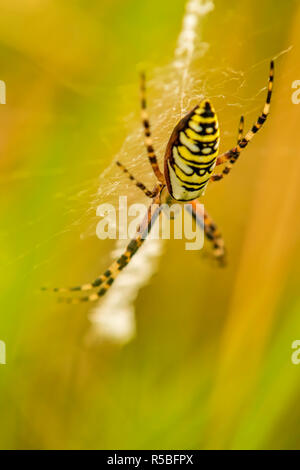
(210, 366)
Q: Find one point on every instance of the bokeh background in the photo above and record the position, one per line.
(210, 365)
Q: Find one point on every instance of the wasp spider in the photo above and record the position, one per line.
(190, 158)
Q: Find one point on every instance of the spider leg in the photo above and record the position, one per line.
(232, 160)
(140, 185)
(241, 129)
(233, 154)
(148, 139)
(211, 230)
(108, 277)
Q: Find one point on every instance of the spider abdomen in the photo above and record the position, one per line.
(191, 153)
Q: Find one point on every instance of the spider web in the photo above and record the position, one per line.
(172, 91)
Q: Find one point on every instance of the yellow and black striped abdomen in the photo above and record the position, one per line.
(191, 153)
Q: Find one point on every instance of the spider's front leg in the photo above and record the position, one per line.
(233, 154)
(107, 278)
(148, 139)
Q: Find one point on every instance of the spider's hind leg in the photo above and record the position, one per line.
(211, 232)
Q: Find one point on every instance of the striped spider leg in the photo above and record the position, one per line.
(240, 129)
(190, 158)
(105, 280)
(148, 139)
(206, 223)
(211, 230)
(231, 156)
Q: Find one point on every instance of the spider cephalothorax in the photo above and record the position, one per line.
(190, 158)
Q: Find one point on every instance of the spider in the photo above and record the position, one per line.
(190, 158)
